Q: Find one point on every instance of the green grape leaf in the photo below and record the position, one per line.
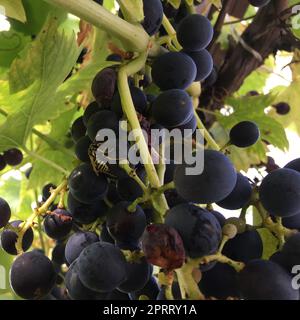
(26, 198)
(11, 43)
(270, 243)
(290, 95)
(59, 130)
(133, 10)
(36, 14)
(257, 79)
(109, 4)
(13, 9)
(54, 54)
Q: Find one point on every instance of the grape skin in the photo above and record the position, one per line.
(76, 290)
(265, 280)
(32, 275)
(86, 213)
(153, 12)
(139, 101)
(151, 290)
(92, 108)
(244, 134)
(294, 164)
(239, 196)
(203, 61)
(77, 242)
(215, 183)
(78, 129)
(279, 192)
(198, 228)
(244, 247)
(82, 148)
(5, 213)
(105, 236)
(102, 267)
(172, 108)
(103, 86)
(58, 253)
(9, 239)
(194, 32)
(13, 157)
(138, 274)
(125, 226)
(85, 186)
(46, 191)
(219, 282)
(104, 119)
(173, 70)
(2, 162)
(128, 189)
(58, 224)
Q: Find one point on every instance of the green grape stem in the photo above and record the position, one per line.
(133, 36)
(159, 201)
(38, 212)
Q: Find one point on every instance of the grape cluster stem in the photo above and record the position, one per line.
(37, 212)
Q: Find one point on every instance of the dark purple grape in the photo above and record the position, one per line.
(103, 86)
(153, 15)
(78, 129)
(5, 213)
(85, 186)
(102, 267)
(244, 134)
(92, 108)
(138, 274)
(239, 196)
(151, 290)
(282, 108)
(58, 253)
(9, 239)
(139, 101)
(32, 276)
(86, 213)
(216, 182)
(58, 224)
(219, 282)
(244, 247)
(13, 157)
(265, 280)
(198, 228)
(82, 149)
(2, 162)
(46, 191)
(77, 242)
(173, 70)
(279, 192)
(194, 32)
(126, 226)
(76, 290)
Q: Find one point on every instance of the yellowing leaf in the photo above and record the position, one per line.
(13, 9)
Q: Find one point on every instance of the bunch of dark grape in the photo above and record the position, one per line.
(12, 157)
(111, 241)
